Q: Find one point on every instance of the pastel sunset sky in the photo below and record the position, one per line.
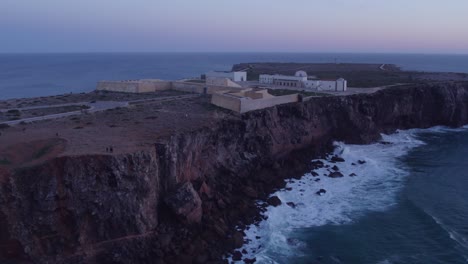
(400, 26)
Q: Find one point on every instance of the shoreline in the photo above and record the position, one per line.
(300, 195)
(278, 236)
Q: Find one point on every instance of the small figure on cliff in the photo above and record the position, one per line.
(111, 149)
(107, 149)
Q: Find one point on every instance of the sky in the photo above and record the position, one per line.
(395, 26)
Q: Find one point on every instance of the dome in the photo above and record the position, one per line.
(301, 74)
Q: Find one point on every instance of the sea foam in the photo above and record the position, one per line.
(346, 199)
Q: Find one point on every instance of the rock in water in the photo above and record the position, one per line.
(274, 201)
(317, 164)
(361, 161)
(237, 256)
(314, 174)
(291, 204)
(185, 202)
(335, 168)
(352, 175)
(385, 143)
(335, 174)
(250, 261)
(321, 192)
(337, 159)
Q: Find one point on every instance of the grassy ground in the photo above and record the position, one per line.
(357, 75)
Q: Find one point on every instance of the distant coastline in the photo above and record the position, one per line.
(34, 75)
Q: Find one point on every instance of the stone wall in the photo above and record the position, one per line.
(255, 104)
(221, 82)
(146, 86)
(245, 104)
(199, 88)
(226, 101)
(140, 86)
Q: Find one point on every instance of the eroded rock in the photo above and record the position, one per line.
(337, 159)
(321, 192)
(274, 201)
(335, 174)
(185, 202)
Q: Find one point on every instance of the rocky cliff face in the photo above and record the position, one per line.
(120, 209)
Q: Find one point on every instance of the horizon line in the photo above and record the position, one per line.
(227, 52)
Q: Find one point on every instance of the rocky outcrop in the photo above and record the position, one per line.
(185, 202)
(112, 209)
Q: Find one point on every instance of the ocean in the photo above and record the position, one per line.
(407, 204)
(33, 75)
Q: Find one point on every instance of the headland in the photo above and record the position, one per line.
(168, 177)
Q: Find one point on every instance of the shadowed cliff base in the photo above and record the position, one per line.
(111, 208)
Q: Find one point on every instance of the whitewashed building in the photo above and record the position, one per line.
(301, 80)
(339, 85)
(233, 76)
(284, 80)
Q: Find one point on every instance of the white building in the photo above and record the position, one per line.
(339, 85)
(300, 80)
(233, 76)
(284, 80)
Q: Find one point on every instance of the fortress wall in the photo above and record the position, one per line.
(145, 86)
(250, 105)
(225, 101)
(243, 104)
(118, 86)
(153, 86)
(199, 87)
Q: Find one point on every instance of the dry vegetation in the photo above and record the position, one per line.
(125, 129)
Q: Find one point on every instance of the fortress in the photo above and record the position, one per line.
(230, 90)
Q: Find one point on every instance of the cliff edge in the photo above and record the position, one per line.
(179, 201)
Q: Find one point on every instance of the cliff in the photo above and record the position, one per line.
(134, 208)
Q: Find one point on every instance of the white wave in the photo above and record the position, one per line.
(374, 188)
(455, 236)
(442, 129)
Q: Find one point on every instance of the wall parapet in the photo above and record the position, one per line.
(248, 104)
(243, 104)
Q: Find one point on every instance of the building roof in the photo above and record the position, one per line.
(300, 74)
(225, 71)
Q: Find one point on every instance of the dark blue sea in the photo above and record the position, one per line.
(32, 75)
(407, 204)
